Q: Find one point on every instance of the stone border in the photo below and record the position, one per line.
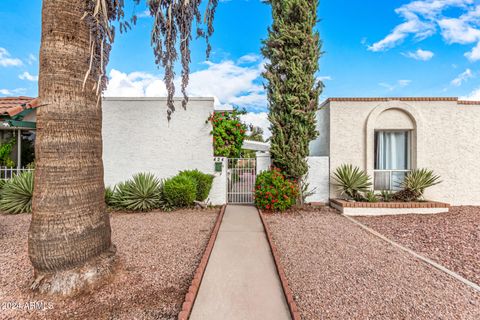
(353, 208)
(191, 295)
(292, 306)
(432, 263)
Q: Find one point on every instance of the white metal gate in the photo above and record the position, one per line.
(241, 176)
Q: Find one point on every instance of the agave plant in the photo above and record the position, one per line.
(141, 193)
(351, 181)
(16, 194)
(109, 196)
(417, 181)
(370, 196)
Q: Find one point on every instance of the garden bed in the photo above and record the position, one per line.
(337, 270)
(158, 253)
(358, 208)
(451, 239)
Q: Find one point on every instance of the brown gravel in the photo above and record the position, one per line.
(337, 270)
(451, 239)
(158, 254)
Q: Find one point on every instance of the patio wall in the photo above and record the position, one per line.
(138, 138)
(318, 179)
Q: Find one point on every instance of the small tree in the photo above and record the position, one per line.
(293, 50)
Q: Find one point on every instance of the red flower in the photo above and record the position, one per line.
(268, 206)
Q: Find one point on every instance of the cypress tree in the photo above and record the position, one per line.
(292, 50)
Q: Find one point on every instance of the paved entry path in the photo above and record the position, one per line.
(240, 282)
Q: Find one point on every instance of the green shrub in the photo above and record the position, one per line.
(16, 194)
(415, 184)
(178, 192)
(370, 196)
(141, 193)
(274, 192)
(203, 181)
(387, 195)
(351, 181)
(109, 196)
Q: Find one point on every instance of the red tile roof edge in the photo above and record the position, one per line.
(380, 99)
(14, 105)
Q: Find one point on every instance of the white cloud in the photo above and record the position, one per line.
(13, 92)
(7, 61)
(474, 95)
(397, 85)
(324, 78)
(424, 18)
(462, 77)
(423, 55)
(248, 58)
(229, 83)
(258, 120)
(31, 59)
(144, 14)
(27, 76)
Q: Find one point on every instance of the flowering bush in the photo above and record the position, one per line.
(274, 192)
(228, 133)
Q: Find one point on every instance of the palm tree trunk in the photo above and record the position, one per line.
(69, 240)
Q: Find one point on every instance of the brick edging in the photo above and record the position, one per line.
(292, 306)
(390, 205)
(191, 295)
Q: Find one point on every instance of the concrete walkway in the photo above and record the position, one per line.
(240, 281)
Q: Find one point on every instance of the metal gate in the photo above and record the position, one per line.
(241, 176)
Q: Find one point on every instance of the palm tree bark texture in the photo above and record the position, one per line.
(69, 241)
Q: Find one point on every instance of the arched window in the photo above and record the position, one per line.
(394, 130)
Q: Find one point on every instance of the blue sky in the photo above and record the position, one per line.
(372, 48)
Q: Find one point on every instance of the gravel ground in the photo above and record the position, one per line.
(337, 270)
(158, 254)
(451, 239)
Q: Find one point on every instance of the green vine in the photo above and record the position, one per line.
(6, 151)
(228, 133)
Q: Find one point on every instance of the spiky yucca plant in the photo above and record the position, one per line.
(351, 181)
(109, 195)
(141, 193)
(16, 194)
(415, 184)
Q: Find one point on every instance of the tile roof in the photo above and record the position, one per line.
(369, 99)
(12, 106)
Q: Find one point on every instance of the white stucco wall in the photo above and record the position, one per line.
(264, 161)
(138, 138)
(318, 179)
(320, 146)
(447, 140)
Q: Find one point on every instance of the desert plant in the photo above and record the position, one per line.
(274, 192)
(415, 184)
(141, 193)
(178, 192)
(109, 195)
(16, 194)
(387, 195)
(203, 181)
(351, 181)
(370, 196)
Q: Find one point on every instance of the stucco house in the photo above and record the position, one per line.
(387, 137)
